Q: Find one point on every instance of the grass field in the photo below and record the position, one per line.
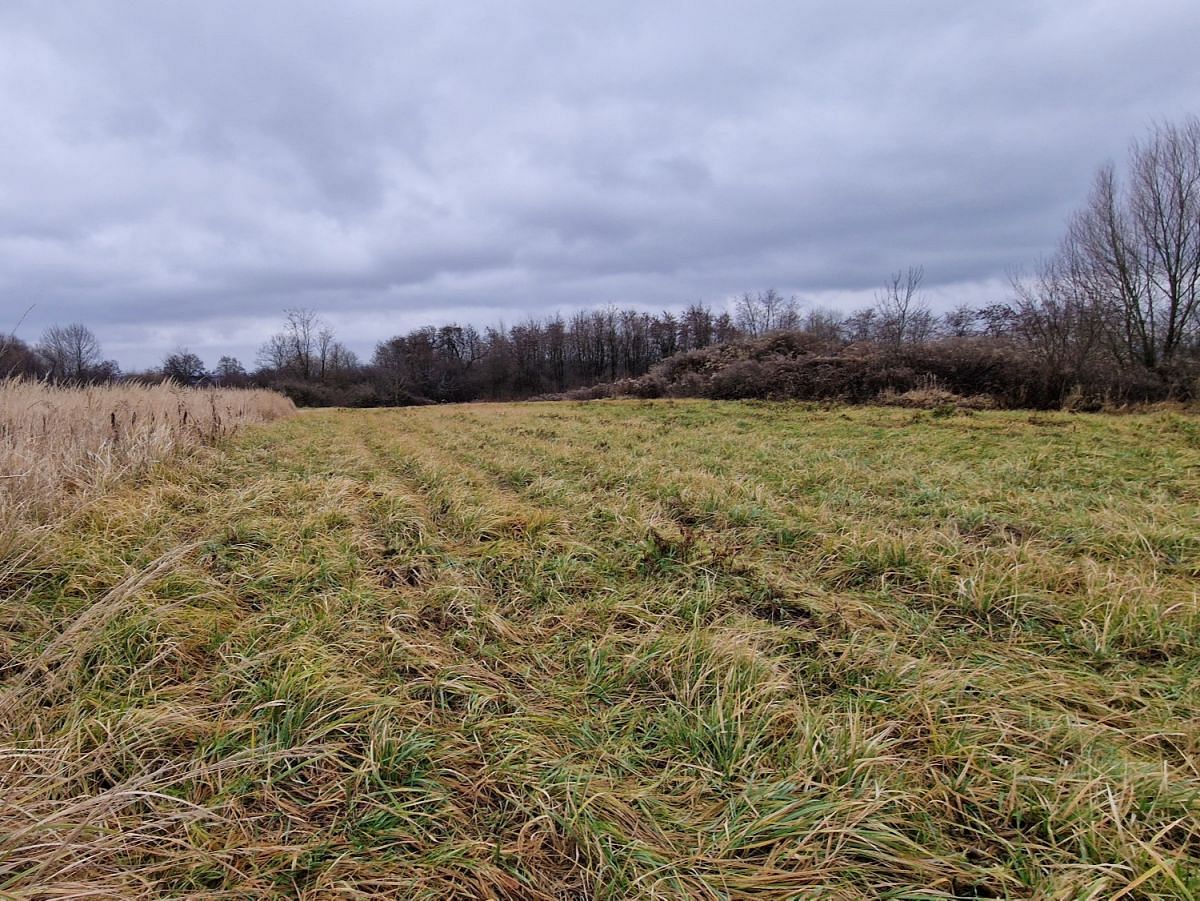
(674, 649)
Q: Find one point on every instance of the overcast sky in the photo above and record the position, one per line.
(177, 173)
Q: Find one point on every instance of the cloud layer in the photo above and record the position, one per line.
(179, 173)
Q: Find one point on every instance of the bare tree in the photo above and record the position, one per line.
(229, 371)
(696, 327)
(766, 311)
(337, 361)
(326, 352)
(556, 351)
(1057, 321)
(996, 320)
(71, 352)
(901, 316)
(18, 359)
(15, 355)
(823, 324)
(306, 349)
(860, 325)
(1134, 249)
(725, 329)
(184, 367)
(273, 353)
(665, 333)
(960, 322)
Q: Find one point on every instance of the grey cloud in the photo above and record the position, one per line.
(181, 172)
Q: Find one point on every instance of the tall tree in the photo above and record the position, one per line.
(766, 311)
(306, 349)
(230, 372)
(71, 352)
(184, 367)
(1134, 249)
(901, 316)
(18, 359)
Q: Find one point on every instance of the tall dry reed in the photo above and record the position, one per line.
(59, 444)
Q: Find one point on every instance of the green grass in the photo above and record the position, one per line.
(668, 649)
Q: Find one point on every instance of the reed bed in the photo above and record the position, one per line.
(58, 444)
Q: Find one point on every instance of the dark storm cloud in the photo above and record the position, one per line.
(180, 172)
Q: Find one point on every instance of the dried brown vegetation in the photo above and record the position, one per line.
(58, 443)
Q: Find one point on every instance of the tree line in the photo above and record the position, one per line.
(1113, 312)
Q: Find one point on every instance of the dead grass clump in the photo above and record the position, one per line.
(934, 398)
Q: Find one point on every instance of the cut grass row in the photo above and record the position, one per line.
(658, 649)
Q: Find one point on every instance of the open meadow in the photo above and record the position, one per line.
(678, 649)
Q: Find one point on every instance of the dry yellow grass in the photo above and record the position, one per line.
(60, 443)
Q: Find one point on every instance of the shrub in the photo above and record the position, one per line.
(967, 373)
